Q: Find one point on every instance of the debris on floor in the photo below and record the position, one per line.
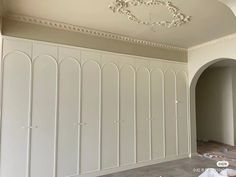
(210, 172)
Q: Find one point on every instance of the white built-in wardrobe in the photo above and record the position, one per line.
(70, 112)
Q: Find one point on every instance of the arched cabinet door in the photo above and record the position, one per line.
(90, 120)
(142, 122)
(43, 116)
(127, 115)
(15, 115)
(170, 115)
(157, 119)
(69, 117)
(110, 115)
(182, 112)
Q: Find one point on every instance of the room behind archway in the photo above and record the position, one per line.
(215, 111)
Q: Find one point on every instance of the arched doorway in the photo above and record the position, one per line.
(200, 110)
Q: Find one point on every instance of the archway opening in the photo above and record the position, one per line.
(215, 109)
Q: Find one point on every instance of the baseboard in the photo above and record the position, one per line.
(132, 166)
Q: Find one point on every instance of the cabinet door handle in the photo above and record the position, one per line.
(29, 127)
(81, 124)
(118, 121)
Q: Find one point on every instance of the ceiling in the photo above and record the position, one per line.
(210, 19)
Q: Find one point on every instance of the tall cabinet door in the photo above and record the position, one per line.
(157, 105)
(170, 114)
(110, 115)
(69, 117)
(44, 117)
(15, 115)
(182, 112)
(90, 125)
(143, 138)
(127, 115)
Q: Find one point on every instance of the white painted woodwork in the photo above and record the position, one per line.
(143, 141)
(157, 114)
(110, 115)
(170, 114)
(127, 115)
(72, 112)
(15, 113)
(69, 117)
(90, 120)
(43, 116)
(182, 112)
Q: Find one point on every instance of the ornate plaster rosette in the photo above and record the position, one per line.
(123, 7)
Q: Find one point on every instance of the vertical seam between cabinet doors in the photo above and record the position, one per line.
(150, 116)
(56, 118)
(176, 117)
(135, 117)
(29, 131)
(79, 121)
(119, 121)
(164, 114)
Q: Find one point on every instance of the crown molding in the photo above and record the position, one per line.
(215, 41)
(93, 32)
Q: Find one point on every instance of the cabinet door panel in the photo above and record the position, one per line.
(157, 96)
(182, 113)
(69, 112)
(43, 116)
(15, 115)
(170, 114)
(127, 115)
(90, 117)
(143, 144)
(110, 114)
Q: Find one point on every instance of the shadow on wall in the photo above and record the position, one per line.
(214, 103)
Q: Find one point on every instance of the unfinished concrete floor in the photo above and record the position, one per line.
(190, 167)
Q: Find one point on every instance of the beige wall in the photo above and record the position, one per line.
(214, 105)
(234, 100)
(42, 33)
(199, 58)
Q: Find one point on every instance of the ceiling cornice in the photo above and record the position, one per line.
(93, 32)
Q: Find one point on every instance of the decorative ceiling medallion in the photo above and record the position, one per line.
(123, 7)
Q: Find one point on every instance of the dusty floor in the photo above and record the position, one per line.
(186, 167)
(179, 168)
(211, 146)
(217, 151)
